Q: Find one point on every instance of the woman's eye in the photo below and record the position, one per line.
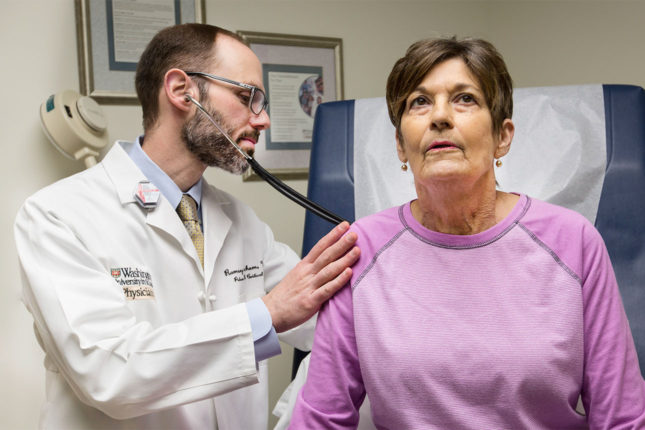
(466, 98)
(418, 101)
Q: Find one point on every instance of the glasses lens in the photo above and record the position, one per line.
(259, 101)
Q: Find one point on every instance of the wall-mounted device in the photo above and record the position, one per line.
(75, 125)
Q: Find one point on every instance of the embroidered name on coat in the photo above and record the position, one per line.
(246, 272)
(136, 282)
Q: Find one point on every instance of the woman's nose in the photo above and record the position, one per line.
(441, 116)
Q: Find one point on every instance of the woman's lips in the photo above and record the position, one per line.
(442, 145)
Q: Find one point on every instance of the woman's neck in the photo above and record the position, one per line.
(455, 209)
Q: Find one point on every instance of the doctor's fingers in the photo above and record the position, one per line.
(328, 289)
(341, 251)
(335, 268)
(328, 241)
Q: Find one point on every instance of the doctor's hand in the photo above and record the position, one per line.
(314, 280)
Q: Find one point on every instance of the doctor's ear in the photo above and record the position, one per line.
(177, 84)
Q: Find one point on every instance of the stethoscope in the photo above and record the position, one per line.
(268, 177)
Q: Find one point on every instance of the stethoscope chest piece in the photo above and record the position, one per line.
(147, 195)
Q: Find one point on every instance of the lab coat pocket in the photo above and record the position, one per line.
(94, 309)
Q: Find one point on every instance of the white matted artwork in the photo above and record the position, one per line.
(299, 73)
(112, 34)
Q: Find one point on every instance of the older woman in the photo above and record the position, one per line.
(471, 308)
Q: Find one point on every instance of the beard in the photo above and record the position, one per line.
(210, 146)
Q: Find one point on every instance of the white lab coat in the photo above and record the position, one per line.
(136, 334)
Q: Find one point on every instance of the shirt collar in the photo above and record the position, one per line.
(158, 177)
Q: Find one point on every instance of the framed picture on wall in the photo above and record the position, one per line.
(112, 34)
(299, 73)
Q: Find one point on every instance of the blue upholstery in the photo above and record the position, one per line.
(331, 168)
(621, 212)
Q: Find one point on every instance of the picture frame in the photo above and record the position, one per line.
(112, 34)
(299, 73)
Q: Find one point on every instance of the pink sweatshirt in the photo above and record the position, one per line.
(503, 329)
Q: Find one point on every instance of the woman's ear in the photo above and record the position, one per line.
(506, 134)
(399, 147)
(176, 85)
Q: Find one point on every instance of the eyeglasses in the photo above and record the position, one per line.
(257, 101)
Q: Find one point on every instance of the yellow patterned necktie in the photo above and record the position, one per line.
(187, 211)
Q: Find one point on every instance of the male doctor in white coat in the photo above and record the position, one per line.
(140, 329)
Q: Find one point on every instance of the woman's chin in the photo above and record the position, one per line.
(443, 171)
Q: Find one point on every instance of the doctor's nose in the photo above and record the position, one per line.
(260, 121)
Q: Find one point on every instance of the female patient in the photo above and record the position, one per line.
(471, 308)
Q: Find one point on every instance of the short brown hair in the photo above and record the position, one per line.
(481, 58)
(184, 46)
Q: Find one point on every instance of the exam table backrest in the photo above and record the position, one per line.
(621, 209)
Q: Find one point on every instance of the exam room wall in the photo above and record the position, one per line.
(544, 43)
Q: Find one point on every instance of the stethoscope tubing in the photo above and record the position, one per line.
(276, 183)
(294, 195)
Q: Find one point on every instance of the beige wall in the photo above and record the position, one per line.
(544, 43)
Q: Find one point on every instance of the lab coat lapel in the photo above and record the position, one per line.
(125, 176)
(216, 225)
(164, 218)
(123, 173)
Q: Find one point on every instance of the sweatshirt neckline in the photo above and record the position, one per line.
(464, 241)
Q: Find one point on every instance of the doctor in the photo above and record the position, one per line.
(149, 322)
